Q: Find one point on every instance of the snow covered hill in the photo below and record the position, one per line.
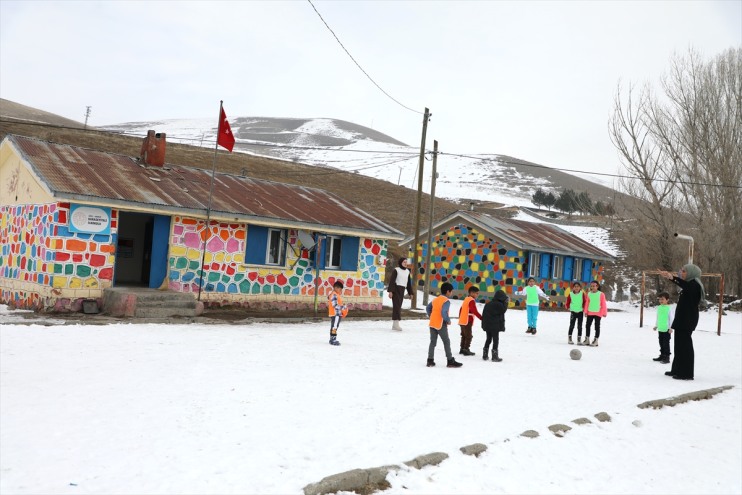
(354, 148)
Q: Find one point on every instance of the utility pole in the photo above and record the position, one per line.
(416, 261)
(426, 290)
(87, 114)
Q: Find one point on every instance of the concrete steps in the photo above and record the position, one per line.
(148, 303)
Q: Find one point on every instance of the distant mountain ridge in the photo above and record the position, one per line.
(491, 180)
(355, 148)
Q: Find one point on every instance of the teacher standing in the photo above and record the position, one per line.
(401, 281)
(686, 319)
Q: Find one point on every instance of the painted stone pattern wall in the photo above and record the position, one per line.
(465, 257)
(227, 279)
(43, 265)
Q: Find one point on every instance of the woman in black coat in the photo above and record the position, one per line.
(686, 319)
(493, 322)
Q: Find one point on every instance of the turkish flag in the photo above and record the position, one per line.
(224, 137)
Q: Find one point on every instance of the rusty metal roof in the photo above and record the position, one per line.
(78, 174)
(526, 235)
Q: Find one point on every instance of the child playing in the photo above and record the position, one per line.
(337, 310)
(466, 319)
(595, 310)
(493, 322)
(533, 292)
(665, 316)
(437, 310)
(577, 305)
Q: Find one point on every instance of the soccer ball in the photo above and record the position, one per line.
(575, 354)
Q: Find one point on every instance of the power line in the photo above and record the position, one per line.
(478, 156)
(535, 165)
(357, 64)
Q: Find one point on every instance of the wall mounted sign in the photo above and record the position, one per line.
(90, 219)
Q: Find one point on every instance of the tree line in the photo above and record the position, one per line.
(682, 143)
(570, 201)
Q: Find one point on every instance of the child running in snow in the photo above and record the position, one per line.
(337, 310)
(493, 322)
(532, 292)
(466, 319)
(663, 327)
(577, 305)
(595, 310)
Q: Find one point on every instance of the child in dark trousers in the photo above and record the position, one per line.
(595, 310)
(336, 311)
(437, 310)
(665, 315)
(466, 320)
(493, 322)
(577, 305)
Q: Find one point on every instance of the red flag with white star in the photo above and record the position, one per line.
(225, 138)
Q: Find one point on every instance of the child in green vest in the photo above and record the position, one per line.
(596, 309)
(665, 315)
(577, 305)
(532, 292)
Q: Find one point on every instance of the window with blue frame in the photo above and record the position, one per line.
(333, 250)
(534, 264)
(265, 246)
(557, 267)
(577, 271)
(337, 253)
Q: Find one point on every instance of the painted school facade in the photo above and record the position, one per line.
(471, 248)
(75, 221)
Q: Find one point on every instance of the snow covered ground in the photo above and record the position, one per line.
(269, 408)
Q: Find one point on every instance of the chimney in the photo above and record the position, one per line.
(153, 149)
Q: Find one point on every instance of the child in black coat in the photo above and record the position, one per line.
(493, 322)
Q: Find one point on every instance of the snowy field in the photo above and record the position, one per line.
(269, 408)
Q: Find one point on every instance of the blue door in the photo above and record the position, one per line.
(160, 244)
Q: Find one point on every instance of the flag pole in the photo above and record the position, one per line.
(208, 206)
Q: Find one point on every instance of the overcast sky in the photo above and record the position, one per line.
(534, 80)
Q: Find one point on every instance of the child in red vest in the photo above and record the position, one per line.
(337, 310)
(466, 319)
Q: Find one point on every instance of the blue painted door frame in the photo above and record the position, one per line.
(160, 243)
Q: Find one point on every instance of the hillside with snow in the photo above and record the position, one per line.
(354, 148)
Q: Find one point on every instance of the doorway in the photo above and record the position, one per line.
(141, 250)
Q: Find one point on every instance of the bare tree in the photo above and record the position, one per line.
(684, 146)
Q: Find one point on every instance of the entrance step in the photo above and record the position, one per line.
(138, 302)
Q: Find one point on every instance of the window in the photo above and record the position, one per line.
(557, 267)
(265, 246)
(577, 269)
(534, 265)
(276, 252)
(332, 252)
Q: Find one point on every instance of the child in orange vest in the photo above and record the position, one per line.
(466, 319)
(337, 310)
(437, 310)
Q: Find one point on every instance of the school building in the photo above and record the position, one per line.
(471, 248)
(75, 222)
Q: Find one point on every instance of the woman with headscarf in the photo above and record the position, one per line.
(400, 282)
(692, 294)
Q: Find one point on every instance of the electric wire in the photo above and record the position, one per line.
(359, 65)
(485, 157)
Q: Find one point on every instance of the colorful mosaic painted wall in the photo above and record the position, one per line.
(43, 265)
(465, 257)
(227, 280)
